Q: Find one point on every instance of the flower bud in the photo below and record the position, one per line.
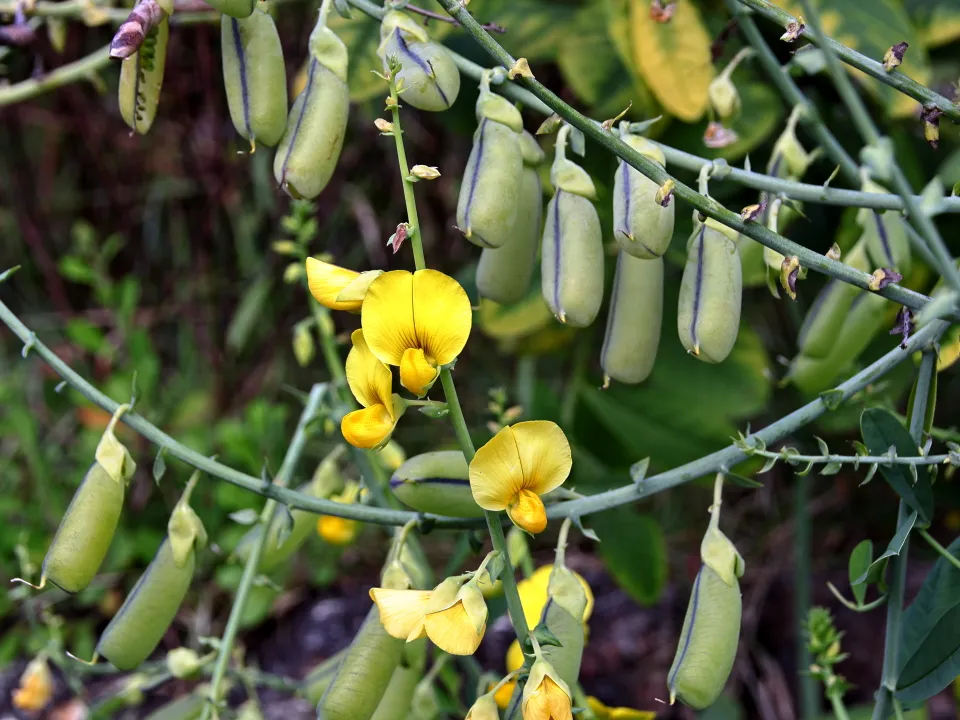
(425, 172)
(723, 96)
(485, 708)
(36, 686)
(183, 662)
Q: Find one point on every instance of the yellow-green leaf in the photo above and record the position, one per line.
(673, 57)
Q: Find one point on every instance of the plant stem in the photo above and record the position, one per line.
(809, 692)
(946, 554)
(810, 117)
(328, 345)
(725, 458)
(839, 709)
(64, 75)
(898, 563)
(874, 69)
(707, 206)
(252, 565)
(854, 459)
(508, 577)
(415, 236)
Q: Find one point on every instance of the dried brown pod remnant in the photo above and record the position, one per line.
(894, 56)
(131, 34)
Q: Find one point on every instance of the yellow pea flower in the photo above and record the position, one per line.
(371, 383)
(545, 696)
(602, 712)
(418, 322)
(36, 686)
(453, 615)
(337, 530)
(338, 288)
(516, 467)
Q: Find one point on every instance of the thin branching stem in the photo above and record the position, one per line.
(941, 550)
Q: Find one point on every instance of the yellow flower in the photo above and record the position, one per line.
(338, 288)
(545, 696)
(485, 708)
(418, 322)
(453, 615)
(36, 687)
(372, 385)
(337, 530)
(602, 712)
(521, 463)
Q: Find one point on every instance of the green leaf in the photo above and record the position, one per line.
(159, 466)
(874, 571)
(881, 430)
(85, 334)
(634, 548)
(76, 270)
(937, 21)
(860, 560)
(545, 636)
(930, 634)
(741, 480)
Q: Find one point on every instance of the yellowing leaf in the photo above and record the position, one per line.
(673, 57)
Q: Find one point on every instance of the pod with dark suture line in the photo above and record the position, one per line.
(234, 8)
(436, 482)
(310, 147)
(641, 226)
(488, 206)
(141, 76)
(708, 317)
(504, 273)
(708, 641)
(633, 320)
(571, 264)
(885, 235)
(254, 76)
(428, 76)
(85, 532)
(364, 674)
(140, 623)
(827, 314)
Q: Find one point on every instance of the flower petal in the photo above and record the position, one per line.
(452, 630)
(336, 530)
(417, 374)
(367, 428)
(356, 291)
(401, 611)
(370, 381)
(544, 454)
(528, 512)
(387, 316)
(515, 657)
(474, 604)
(547, 701)
(327, 281)
(442, 314)
(505, 693)
(496, 474)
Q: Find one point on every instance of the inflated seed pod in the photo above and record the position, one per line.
(708, 641)
(641, 226)
(488, 205)
(143, 619)
(234, 8)
(571, 266)
(504, 273)
(87, 528)
(255, 76)
(326, 480)
(398, 698)
(708, 318)
(436, 482)
(428, 77)
(364, 674)
(821, 326)
(188, 707)
(310, 147)
(885, 235)
(633, 320)
(141, 76)
(315, 684)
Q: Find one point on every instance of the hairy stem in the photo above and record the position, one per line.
(290, 461)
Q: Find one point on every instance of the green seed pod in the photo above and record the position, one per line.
(143, 619)
(488, 206)
(504, 273)
(326, 480)
(563, 616)
(255, 76)
(141, 76)
(436, 482)
(310, 147)
(234, 8)
(885, 235)
(188, 707)
(87, 528)
(633, 321)
(708, 641)
(317, 681)
(826, 316)
(641, 226)
(364, 674)
(572, 260)
(398, 698)
(428, 77)
(708, 318)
